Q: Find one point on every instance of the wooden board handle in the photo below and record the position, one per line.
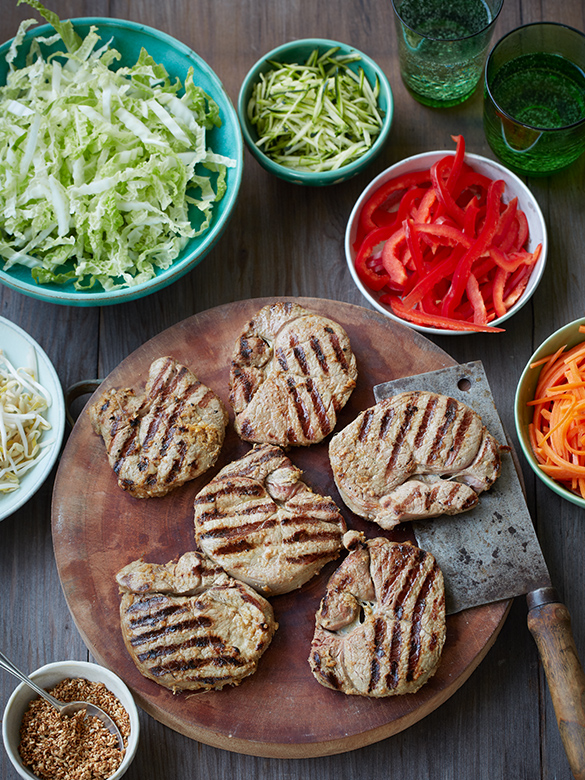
(550, 625)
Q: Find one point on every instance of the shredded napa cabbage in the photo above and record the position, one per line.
(99, 167)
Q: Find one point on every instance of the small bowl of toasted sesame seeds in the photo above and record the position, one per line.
(43, 744)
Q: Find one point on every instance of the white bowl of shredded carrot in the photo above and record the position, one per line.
(549, 411)
(428, 245)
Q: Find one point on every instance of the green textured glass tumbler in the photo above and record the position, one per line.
(534, 98)
(442, 47)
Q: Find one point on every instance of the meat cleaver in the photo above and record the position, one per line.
(491, 553)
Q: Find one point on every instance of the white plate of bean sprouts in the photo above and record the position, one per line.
(32, 417)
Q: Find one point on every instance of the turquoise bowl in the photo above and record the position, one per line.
(298, 52)
(129, 38)
(567, 336)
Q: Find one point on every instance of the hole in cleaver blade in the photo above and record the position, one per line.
(491, 552)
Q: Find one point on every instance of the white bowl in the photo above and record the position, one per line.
(20, 348)
(514, 187)
(49, 676)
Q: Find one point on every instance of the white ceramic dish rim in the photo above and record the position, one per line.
(48, 676)
(13, 342)
(306, 177)
(570, 335)
(488, 167)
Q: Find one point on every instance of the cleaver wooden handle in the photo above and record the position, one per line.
(549, 623)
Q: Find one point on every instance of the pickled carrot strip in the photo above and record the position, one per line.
(563, 388)
(548, 359)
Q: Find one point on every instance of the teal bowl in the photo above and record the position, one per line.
(129, 38)
(567, 336)
(298, 52)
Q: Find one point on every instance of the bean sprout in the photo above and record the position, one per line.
(23, 404)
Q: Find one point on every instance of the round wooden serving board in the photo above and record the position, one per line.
(281, 711)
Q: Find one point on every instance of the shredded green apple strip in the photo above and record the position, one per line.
(318, 116)
(99, 167)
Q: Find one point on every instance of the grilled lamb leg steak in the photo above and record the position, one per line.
(292, 371)
(189, 626)
(380, 628)
(168, 435)
(261, 523)
(415, 455)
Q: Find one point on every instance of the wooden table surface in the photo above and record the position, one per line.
(284, 240)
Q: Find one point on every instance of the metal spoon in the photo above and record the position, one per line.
(91, 710)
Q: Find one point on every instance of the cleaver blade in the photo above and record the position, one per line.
(492, 553)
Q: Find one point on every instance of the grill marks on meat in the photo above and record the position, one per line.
(190, 574)
(415, 455)
(165, 437)
(261, 523)
(292, 371)
(189, 626)
(380, 628)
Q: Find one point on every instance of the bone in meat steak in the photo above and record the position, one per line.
(187, 625)
(415, 455)
(292, 371)
(264, 525)
(380, 628)
(158, 440)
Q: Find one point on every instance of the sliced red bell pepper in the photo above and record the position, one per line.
(510, 239)
(522, 237)
(438, 177)
(424, 212)
(483, 269)
(458, 159)
(391, 260)
(477, 301)
(428, 305)
(516, 293)
(432, 320)
(369, 277)
(413, 245)
(516, 285)
(409, 204)
(383, 217)
(498, 291)
(471, 180)
(477, 248)
(381, 195)
(440, 271)
(442, 232)
(513, 260)
(507, 218)
(470, 217)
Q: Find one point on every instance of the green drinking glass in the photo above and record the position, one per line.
(442, 47)
(534, 98)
